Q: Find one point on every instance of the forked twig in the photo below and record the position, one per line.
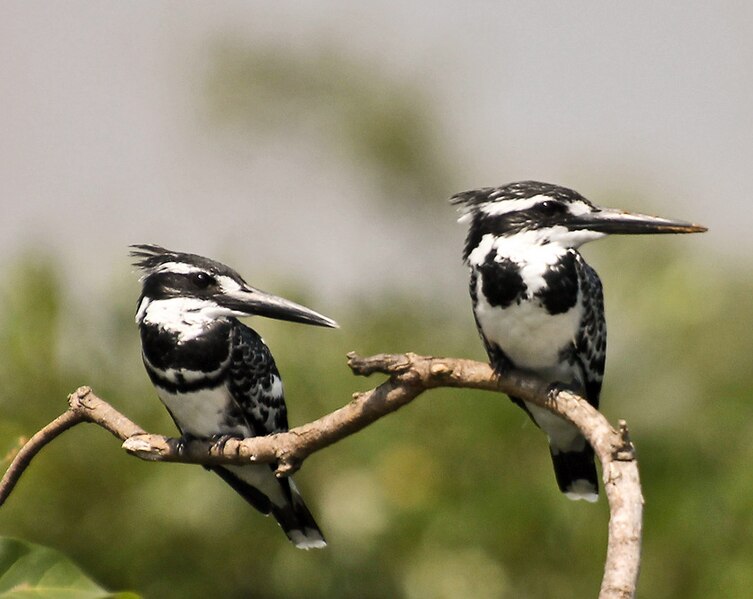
(409, 376)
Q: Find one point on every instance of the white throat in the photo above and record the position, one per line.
(186, 316)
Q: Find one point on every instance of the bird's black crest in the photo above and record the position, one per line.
(151, 257)
(520, 190)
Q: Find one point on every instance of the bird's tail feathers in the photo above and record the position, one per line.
(576, 473)
(572, 456)
(297, 522)
(282, 499)
(250, 493)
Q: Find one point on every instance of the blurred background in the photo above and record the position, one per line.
(313, 146)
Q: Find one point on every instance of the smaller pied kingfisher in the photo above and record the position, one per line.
(538, 306)
(216, 376)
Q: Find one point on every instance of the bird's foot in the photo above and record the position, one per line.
(220, 439)
(183, 441)
(554, 389)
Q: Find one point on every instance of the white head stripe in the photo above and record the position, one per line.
(178, 267)
(504, 206)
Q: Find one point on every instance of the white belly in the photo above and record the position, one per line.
(530, 336)
(201, 413)
(533, 339)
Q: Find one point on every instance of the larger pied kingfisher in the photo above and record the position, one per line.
(538, 306)
(215, 375)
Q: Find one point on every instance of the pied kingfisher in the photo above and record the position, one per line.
(538, 306)
(216, 376)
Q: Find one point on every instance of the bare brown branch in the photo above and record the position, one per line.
(409, 376)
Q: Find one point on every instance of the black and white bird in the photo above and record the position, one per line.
(538, 306)
(215, 375)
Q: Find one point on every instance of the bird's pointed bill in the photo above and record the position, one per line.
(255, 302)
(610, 221)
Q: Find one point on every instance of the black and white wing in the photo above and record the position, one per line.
(591, 344)
(255, 385)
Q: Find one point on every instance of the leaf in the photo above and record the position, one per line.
(28, 570)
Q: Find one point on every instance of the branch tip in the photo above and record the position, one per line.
(76, 398)
(141, 448)
(625, 452)
(383, 363)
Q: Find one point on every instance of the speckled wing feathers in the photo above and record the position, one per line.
(591, 343)
(255, 384)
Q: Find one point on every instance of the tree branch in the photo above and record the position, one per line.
(409, 376)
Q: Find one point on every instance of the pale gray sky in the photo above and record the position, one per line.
(103, 143)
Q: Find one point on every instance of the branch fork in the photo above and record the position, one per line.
(409, 376)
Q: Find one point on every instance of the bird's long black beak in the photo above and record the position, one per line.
(255, 302)
(610, 221)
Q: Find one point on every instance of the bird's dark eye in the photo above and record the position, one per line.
(202, 280)
(551, 207)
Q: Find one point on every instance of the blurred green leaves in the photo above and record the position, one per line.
(32, 304)
(28, 570)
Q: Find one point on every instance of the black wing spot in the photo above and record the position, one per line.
(501, 282)
(561, 290)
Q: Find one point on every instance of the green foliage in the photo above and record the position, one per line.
(452, 496)
(28, 570)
